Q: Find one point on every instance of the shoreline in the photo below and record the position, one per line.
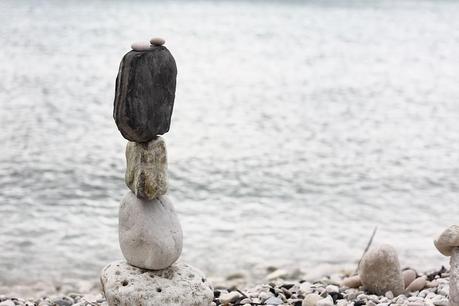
(282, 287)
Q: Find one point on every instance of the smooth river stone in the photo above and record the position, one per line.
(141, 46)
(157, 41)
(146, 170)
(408, 277)
(145, 93)
(150, 234)
(352, 282)
(417, 285)
(178, 285)
(380, 271)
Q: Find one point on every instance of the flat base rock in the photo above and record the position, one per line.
(178, 285)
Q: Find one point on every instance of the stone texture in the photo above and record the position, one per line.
(454, 278)
(178, 285)
(145, 93)
(448, 240)
(352, 282)
(146, 169)
(311, 299)
(380, 271)
(150, 234)
(141, 46)
(408, 277)
(157, 41)
(417, 285)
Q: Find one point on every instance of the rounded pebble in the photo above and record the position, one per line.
(408, 277)
(140, 46)
(417, 285)
(311, 299)
(157, 41)
(352, 282)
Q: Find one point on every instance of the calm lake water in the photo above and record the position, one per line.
(298, 128)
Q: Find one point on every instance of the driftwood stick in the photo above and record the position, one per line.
(242, 293)
(367, 247)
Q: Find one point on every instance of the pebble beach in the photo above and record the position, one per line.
(280, 289)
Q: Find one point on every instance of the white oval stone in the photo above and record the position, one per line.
(150, 234)
(157, 41)
(140, 46)
(178, 285)
(380, 271)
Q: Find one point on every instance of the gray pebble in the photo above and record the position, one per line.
(157, 41)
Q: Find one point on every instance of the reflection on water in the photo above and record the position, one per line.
(297, 129)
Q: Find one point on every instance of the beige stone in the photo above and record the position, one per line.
(157, 41)
(311, 299)
(448, 244)
(178, 285)
(448, 240)
(146, 170)
(352, 282)
(454, 278)
(417, 285)
(380, 271)
(140, 46)
(408, 277)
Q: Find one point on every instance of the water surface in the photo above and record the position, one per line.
(297, 128)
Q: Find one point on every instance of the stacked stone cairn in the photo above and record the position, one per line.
(150, 234)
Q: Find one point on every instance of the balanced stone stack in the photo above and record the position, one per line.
(150, 234)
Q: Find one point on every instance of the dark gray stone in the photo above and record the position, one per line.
(145, 93)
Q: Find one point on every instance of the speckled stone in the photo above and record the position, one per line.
(146, 169)
(178, 285)
(380, 271)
